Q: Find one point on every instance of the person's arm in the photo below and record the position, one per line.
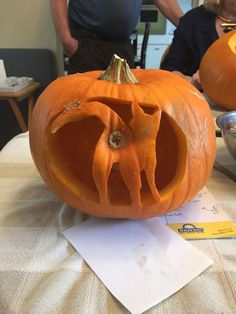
(59, 14)
(179, 57)
(170, 9)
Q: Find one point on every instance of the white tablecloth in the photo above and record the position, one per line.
(41, 273)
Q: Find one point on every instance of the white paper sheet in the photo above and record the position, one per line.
(140, 262)
(202, 208)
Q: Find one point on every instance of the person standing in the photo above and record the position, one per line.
(198, 29)
(92, 31)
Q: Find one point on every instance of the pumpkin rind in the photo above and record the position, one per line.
(165, 158)
(218, 71)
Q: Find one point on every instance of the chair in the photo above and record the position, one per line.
(140, 61)
(36, 63)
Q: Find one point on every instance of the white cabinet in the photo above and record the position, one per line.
(156, 47)
(154, 55)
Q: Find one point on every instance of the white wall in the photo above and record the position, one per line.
(28, 24)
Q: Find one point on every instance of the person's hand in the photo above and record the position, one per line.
(196, 81)
(70, 46)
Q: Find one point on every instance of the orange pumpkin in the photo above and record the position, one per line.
(121, 148)
(218, 71)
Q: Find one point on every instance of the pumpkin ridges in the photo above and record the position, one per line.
(175, 92)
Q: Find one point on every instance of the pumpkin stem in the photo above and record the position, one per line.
(118, 72)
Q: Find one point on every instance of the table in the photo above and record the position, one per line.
(15, 97)
(40, 272)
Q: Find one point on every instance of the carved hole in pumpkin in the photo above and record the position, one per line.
(71, 152)
(148, 109)
(117, 190)
(232, 43)
(121, 107)
(171, 151)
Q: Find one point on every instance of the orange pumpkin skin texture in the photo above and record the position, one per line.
(123, 150)
(218, 71)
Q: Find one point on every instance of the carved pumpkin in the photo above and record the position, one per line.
(218, 71)
(121, 148)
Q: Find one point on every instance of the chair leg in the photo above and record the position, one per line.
(18, 115)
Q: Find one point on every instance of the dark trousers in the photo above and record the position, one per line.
(95, 51)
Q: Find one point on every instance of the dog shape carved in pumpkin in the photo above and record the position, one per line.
(123, 144)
